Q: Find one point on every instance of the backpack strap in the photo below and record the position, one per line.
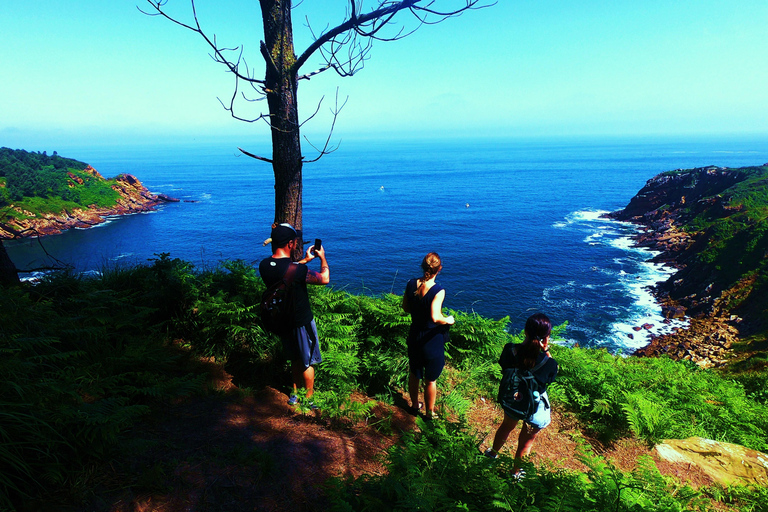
(290, 273)
(542, 363)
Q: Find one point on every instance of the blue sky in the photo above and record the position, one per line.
(95, 70)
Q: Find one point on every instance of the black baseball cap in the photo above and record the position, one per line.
(283, 233)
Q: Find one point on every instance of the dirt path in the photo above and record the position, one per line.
(225, 452)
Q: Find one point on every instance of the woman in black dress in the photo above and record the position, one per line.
(423, 299)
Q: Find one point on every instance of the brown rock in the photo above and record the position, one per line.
(134, 198)
(726, 463)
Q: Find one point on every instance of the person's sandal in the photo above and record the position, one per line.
(431, 415)
(293, 400)
(413, 411)
(490, 453)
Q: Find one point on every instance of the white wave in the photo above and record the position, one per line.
(31, 277)
(625, 243)
(599, 230)
(645, 310)
(548, 291)
(637, 276)
(107, 221)
(593, 238)
(590, 215)
(637, 332)
(598, 286)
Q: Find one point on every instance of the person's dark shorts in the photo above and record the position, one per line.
(303, 345)
(427, 361)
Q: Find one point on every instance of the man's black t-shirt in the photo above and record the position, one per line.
(273, 269)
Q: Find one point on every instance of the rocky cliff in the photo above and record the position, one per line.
(133, 197)
(710, 223)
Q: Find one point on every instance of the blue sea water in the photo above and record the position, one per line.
(516, 222)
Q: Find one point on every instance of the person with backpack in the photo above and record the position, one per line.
(527, 370)
(423, 299)
(296, 325)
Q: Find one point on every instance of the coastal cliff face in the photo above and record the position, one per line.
(133, 197)
(676, 191)
(710, 223)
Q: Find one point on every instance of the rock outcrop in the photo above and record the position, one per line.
(725, 463)
(133, 198)
(701, 289)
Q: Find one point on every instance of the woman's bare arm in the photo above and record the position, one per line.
(437, 310)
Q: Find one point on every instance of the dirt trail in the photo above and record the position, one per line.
(228, 453)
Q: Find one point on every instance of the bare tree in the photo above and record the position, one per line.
(343, 48)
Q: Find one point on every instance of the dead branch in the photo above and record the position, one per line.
(326, 150)
(257, 157)
(369, 26)
(218, 52)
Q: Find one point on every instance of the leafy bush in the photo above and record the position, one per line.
(81, 363)
(439, 467)
(657, 398)
(83, 358)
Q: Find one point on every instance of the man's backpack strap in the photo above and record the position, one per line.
(290, 273)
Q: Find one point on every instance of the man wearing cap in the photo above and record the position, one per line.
(301, 345)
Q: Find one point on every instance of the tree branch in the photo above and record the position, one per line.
(218, 53)
(257, 157)
(370, 24)
(325, 150)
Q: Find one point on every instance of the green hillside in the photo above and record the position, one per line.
(730, 252)
(88, 362)
(37, 183)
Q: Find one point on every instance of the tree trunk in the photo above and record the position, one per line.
(8, 273)
(281, 86)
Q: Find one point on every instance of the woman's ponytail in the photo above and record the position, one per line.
(430, 265)
(537, 328)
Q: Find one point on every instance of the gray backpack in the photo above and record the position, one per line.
(520, 393)
(276, 307)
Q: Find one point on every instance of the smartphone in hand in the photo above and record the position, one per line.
(318, 244)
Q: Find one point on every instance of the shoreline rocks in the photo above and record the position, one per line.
(664, 204)
(133, 198)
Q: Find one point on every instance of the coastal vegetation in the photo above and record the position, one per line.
(44, 195)
(86, 360)
(712, 223)
(34, 184)
(731, 250)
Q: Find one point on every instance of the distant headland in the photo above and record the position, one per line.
(710, 223)
(43, 194)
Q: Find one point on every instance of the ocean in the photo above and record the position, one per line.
(517, 222)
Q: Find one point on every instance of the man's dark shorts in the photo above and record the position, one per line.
(303, 345)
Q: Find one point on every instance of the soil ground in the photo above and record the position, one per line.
(233, 451)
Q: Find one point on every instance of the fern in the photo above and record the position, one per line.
(677, 400)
